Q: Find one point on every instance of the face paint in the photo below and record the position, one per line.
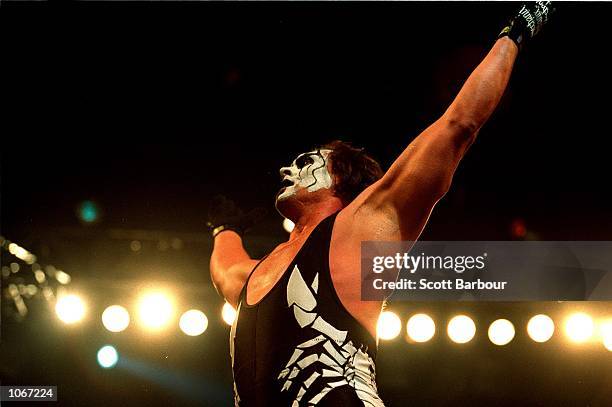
(308, 171)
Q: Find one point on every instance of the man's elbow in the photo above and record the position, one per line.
(437, 189)
(463, 129)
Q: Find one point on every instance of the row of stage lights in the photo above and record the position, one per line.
(420, 328)
(156, 311)
(579, 328)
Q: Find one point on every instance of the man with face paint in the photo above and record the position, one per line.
(302, 336)
(308, 171)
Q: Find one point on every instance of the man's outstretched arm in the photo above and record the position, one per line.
(423, 172)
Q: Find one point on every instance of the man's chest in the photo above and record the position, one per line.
(269, 272)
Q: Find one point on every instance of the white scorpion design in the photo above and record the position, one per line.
(342, 363)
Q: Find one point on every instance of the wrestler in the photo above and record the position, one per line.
(302, 335)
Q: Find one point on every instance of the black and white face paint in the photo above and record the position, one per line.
(308, 171)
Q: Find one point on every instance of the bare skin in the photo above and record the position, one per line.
(396, 207)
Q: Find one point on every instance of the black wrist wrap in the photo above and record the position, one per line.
(528, 22)
(216, 230)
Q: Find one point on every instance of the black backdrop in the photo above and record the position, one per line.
(151, 108)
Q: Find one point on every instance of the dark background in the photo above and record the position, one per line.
(150, 109)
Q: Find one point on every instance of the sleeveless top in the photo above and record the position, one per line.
(299, 346)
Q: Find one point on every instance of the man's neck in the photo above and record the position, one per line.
(310, 218)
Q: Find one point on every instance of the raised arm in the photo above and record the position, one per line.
(423, 172)
(230, 264)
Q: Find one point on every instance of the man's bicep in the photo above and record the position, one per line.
(423, 172)
(404, 197)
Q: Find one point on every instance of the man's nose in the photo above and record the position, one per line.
(285, 171)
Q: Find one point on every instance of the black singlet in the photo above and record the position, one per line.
(299, 346)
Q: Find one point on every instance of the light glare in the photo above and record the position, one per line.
(228, 313)
(108, 356)
(461, 329)
(606, 334)
(540, 328)
(288, 225)
(421, 328)
(21, 253)
(70, 309)
(501, 332)
(193, 322)
(39, 275)
(389, 325)
(115, 318)
(62, 277)
(155, 310)
(579, 327)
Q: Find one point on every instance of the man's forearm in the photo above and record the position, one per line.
(230, 266)
(484, 88)
(227, 251)
(422, 174)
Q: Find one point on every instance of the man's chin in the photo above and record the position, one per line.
(283, 201)
(284, 194)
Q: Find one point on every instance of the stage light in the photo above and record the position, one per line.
(21, 253)
(70, 308)
(518, 228)
(421, 328)
(16, 250)
(606, 334)
(501, 332)
(32, 289)
(135, 245)
(155, 310)
(540, 328)
(288, 225)
(193, 322)
(115, 318)
(461, 329)
(88, 211)
(228, 313)
(579, 327)
(389, 325)
(107, 356)
(13, 290)
(40, 277)
(62, 277)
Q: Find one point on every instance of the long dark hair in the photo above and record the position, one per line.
(353, 169)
